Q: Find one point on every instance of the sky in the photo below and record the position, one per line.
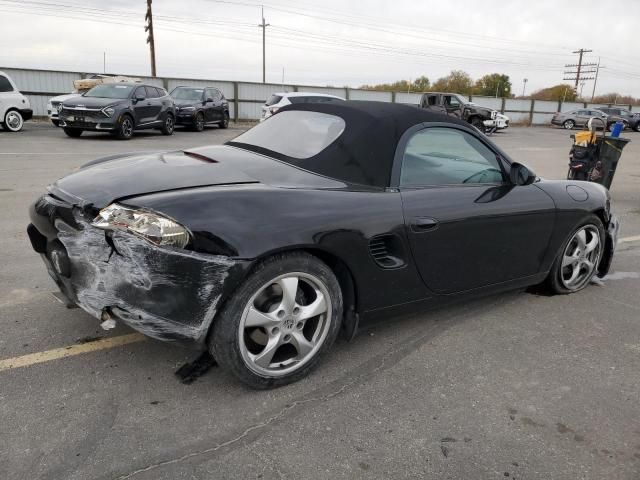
(330, 42)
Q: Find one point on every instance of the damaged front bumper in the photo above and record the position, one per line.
(166, 293)
(610, 243)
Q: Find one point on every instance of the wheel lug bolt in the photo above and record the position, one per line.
(296, 311)
(275, 330)
(299, 325)
(287, 338)
(280, 313)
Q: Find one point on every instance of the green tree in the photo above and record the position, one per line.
(456, 82)
(563, 91)
(492, 85)
(420, 84)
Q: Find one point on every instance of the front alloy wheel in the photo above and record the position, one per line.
(278, 323)
(580, 258)
(13, 121)
(168, 125)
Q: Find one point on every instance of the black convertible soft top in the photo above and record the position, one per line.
(364, 152)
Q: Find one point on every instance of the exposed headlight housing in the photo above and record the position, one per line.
(151, 226)
(59, 107)
(109, 111)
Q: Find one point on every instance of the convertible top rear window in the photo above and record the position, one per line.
(294, 134)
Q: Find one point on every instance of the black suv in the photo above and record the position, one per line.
(458, 106)
(197, 107)
(118, 108)
(630, 119)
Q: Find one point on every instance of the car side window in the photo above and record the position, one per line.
(216, 95)
(161, 91)
(452, 101)
(448, 156)
(151, 92)
(5, 84)
(140, 92)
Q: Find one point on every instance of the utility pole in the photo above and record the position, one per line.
(104, 62)
(582, 69)
(149, 28)
(497, 87)
(264, 26)
(593, 93)
(524, 85)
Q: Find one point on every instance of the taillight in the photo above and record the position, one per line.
(274, 110)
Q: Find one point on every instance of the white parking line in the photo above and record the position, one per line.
(635, 238)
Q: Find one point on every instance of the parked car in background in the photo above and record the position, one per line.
(458, 106)
(579, 118)
(54, 104)
(632, 120)
(14, 106)
(197, 107)
(119, 108)
(279, 100)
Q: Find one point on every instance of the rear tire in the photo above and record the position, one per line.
(279, 322)
(72, 132)
(56, 122)
(568, 124)
(578, 259)
(225, 121)
(168, 126)
(125, 129)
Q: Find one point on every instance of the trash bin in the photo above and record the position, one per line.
(610, 150)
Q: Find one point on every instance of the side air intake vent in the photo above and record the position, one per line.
(387, 250)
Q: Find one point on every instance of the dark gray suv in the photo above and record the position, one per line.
(118, 108)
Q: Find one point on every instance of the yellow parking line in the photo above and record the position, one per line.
(57, 353)
(635, 238)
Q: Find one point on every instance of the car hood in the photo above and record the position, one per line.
(106, 180)
(91, 102)
(184, 103)
(62, 98)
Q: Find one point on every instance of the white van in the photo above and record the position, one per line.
(14, 106)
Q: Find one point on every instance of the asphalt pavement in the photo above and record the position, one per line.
(517, 385)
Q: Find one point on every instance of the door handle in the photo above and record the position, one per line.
(423, 224)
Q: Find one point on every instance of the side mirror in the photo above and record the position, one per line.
(139, 99)
(209, 100)
(521, 175)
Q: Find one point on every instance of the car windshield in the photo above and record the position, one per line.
(110, 91)
(295, 134)
(194, 94)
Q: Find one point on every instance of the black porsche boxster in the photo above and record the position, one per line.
(264, 248)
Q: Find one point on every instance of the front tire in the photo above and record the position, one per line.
(198, 123)
(225, 121)
(168, 126)
(478, 123)
(578, 259)
(56, 122)
(13, 121)
(279, 322)
(125, 129)
(72, 132)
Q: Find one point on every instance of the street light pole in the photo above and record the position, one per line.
(524, 85)
(264, 26)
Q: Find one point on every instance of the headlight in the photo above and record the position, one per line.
(109, 111)
(187, 109)
(151, 226)
(49, 106)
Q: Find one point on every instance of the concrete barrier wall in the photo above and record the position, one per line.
(246, 98)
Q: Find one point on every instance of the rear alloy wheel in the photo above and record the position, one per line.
(168, 125)
(198, 124)
(125, 130)
(578, 263)
(225, 121)
(279, 322)
(13, 121)
(568, 124)
(72, 132)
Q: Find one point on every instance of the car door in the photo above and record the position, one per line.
(468, 227)
(141, 106)
(582, 117)
(452, 105)
(154, 104)
(217, 109)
